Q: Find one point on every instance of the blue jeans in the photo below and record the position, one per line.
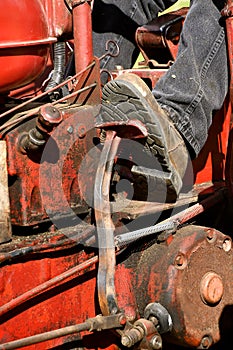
(195, 86)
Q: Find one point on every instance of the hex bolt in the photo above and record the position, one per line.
(126, 341)
(132, 336)
(156, 342)
(70, 129)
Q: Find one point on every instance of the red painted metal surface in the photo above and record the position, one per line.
(59, 17)
(53, 185)
(82, 34)
(52, 279)
(46, 311)
(24, 43)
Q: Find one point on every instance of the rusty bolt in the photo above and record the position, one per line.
(82, 131)
(211, 288)
(70, 129)
(126, 341)
(156, 342)
(180, 261)
(132, 336)
(211, 236)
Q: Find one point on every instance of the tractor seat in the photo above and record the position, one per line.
(158, 39)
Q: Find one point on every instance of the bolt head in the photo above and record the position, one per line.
(70, 129)
(126, 341)
(156, 342)
(211, 288)
(180, 261)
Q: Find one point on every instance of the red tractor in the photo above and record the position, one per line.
(86, 262)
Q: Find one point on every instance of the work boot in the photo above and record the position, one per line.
(128, 99)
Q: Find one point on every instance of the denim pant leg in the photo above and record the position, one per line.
(118, 20)
(197, 83)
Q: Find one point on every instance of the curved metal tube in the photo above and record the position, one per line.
(105, 226)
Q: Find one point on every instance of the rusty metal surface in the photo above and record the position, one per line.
(35, 316)
(51, 281)
(34, 186)
(98, 323)
(189, 275)
(91, 75)
(5, 224)
(105, 227)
